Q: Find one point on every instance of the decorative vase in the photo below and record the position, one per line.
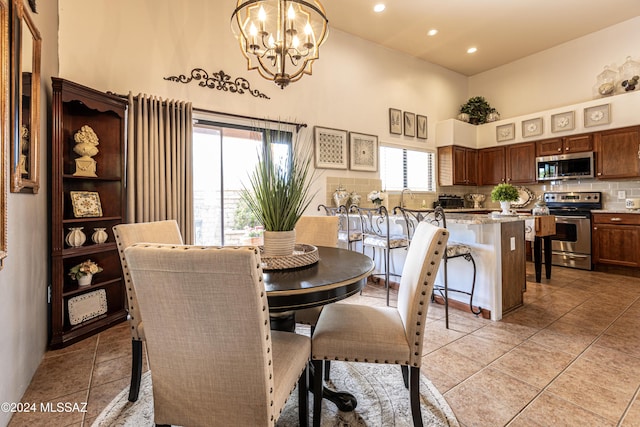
(540, 208)
(99, 235)
(340, 196)
(355, 198)
(279, 243)
(76, 237)
(85, 280)
(463, 117)
(506, 206)
(86, 141)
(605, 83)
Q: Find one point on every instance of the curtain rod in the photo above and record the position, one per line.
(238, 116)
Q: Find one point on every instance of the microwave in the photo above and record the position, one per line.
(565, 166)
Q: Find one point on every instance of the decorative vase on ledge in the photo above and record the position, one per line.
(506, 208)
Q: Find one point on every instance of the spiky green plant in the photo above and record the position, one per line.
(279, 192)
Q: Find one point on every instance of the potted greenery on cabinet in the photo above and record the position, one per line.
(478, 111)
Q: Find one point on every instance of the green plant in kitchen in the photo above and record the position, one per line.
(478, 110)
(504, 193)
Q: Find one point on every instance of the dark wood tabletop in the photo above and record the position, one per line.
(339, 274)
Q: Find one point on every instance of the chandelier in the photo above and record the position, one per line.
(280, 38)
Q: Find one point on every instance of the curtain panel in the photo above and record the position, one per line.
(160, 162)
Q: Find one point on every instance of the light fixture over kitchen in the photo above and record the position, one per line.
(280, 38)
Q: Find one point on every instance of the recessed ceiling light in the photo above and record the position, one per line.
(472, 50)
(379, 7)
(432, 32)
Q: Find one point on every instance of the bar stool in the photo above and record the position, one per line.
(376, 234)
(346, 233)
(454, 250)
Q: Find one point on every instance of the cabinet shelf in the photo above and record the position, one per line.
(91, 219)
(88, 249)
(92, 287)
(91, 178)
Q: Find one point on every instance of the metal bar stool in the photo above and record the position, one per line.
(346, 233)
(454, 250)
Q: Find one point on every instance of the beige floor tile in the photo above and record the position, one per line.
(621, 344)
(113, 348)
(632, 417)
(489, 398)
(483, 350)
(49, 413)
(548, 410)
(604, 374)
(110, 370)
(456, 365)
(508, 333)
(86, 345)
(567, 342)
(100, 396)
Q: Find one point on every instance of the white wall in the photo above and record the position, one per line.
(558, 76)
(23, 281)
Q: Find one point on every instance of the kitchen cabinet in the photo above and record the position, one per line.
(457, 165)
(514, 164)
(565, 145)
(618, 153)
(100, 203)
(616, 239)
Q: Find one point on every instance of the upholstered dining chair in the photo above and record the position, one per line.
(127, 235)
(214, 359)
(362, 333)
(454, 250)
(376, 234)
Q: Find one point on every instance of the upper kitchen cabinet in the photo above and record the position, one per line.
(492, 164)
(457, 166)
(514, 164)
(565, 145)
(618, 153)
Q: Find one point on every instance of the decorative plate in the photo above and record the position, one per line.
(86, 204)
(302, 256)
(87, 306)
(525, 196)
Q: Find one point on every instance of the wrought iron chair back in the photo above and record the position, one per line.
(412, 217)
(346, 232)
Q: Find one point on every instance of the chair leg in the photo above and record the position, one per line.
(317, 392)
(136, 369)
(386, 272)
(414, 393)
(446, 294)
(303, 398)
(405, 375)
(327, 369)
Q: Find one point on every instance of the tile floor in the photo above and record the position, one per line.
(569, 357)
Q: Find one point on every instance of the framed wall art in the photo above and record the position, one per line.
(86, 204)
(363, 152)
(532, 127)
(409, 124)
(330, 148)
(505, 132)
(421, 126)
(563, 121)
(598, 115)
(395, 121)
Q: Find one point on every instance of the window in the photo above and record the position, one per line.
(223, 158)
(403, 168)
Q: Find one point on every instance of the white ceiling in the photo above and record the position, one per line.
(502, 30)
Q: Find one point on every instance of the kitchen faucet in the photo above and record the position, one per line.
(402, 203)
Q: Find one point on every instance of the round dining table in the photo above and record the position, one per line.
(338, 274)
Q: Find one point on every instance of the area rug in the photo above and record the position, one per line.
(383, 401)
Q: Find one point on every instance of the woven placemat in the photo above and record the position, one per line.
(302, 256)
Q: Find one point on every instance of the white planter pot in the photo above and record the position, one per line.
(85, 280)
(279, 243)
(506, 206)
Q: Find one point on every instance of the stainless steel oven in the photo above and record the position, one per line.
(571, 245)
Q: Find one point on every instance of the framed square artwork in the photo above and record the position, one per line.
(86, 204)
(363, 152)
(532, 127)
(395, 121)
(330, 148)
(563, 121)
(598, 115)
(421, 126)
(409, 124)
(505, 132)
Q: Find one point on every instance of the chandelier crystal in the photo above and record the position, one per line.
(280, 38)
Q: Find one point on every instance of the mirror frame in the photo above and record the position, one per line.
(21, 182)
(4, 122)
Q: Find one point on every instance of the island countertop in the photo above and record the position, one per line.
(469, 218)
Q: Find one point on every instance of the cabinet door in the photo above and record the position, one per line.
(616, 245)
(471, 166)
(578, 143)
(521, 163)
(459, 166)
(491, 166)
(549, 147)
(618, 153)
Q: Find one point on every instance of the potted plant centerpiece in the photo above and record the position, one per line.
(505, 194)
(278, 192)
(84, 272)
(477, 111)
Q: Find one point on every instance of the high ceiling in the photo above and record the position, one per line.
(502, 30)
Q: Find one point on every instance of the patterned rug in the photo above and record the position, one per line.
(383, 401)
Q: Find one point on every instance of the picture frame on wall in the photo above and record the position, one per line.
(597, 115)
(363, 152)
(409, 124)
(421, 126)
(395, 121)
(330, 148)
(505, 132)
(532, 127)
(563, 121)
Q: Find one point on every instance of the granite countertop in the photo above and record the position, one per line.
(469, 218)
(617, 211)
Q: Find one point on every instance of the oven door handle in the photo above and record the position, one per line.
(571, 217)
(567, 255)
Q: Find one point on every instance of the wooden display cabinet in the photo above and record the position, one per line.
(73, 106)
